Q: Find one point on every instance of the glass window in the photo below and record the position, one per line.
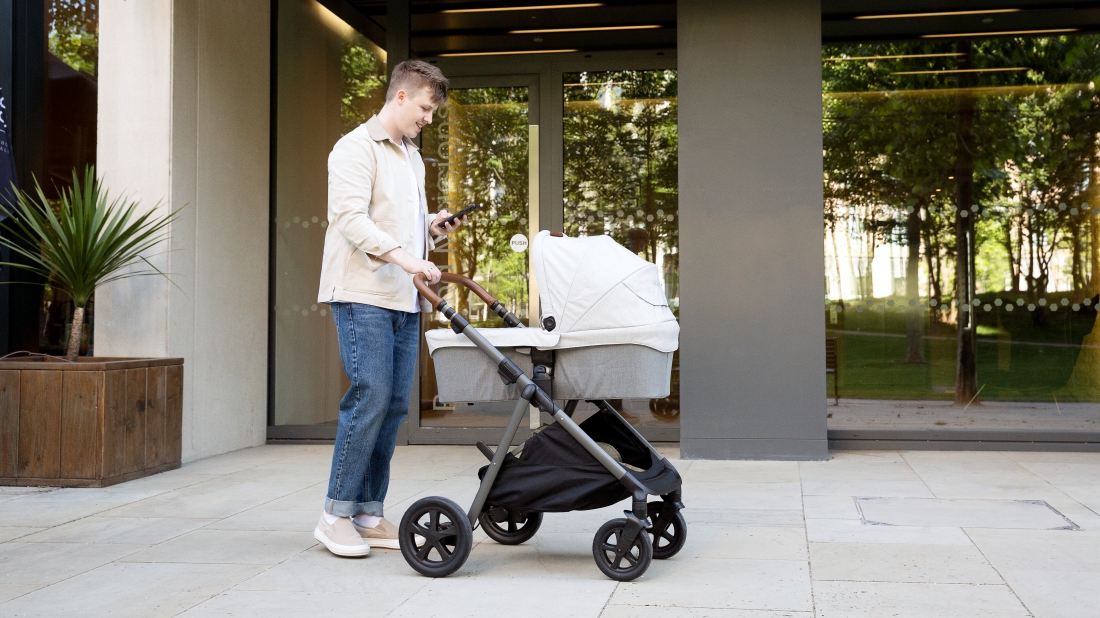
(620, 164)
(330, 79)
(477, 151)
(72, 56)
(962, 233)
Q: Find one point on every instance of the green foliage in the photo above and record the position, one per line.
(893, 136)
(74, 33)
(890, 140)
(89, 241)
(479, 144)
(364, 76)
(621, 156)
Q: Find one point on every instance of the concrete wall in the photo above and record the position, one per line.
(752, 346)
(184, 120)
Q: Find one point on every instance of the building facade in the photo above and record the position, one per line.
(931, 165)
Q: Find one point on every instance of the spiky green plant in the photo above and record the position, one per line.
(91, 240)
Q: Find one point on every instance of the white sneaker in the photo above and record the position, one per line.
(341, 538)
(383, 536)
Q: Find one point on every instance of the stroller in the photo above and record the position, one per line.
(607, 333)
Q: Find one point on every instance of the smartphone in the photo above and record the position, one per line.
(458, 215)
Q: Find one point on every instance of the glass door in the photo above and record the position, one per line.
(481, 148)
(619, 144)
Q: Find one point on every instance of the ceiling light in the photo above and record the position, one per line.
(959, 71)
(587, 29)
(582, 85)
(842, 58)
(540, 7)
(1004, 33)
(509, 53)
(937, 14)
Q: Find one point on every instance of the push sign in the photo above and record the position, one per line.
(519, 243)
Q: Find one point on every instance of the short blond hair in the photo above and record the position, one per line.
(412, 75)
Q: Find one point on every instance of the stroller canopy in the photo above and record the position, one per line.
(594, 284)
(598, 292)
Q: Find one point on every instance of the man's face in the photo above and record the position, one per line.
(414, 111)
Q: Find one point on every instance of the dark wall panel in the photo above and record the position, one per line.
(752, 341)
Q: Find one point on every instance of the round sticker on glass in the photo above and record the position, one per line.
(519, 243)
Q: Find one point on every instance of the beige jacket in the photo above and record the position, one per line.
(371, 210)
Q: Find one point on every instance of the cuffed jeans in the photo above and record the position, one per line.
(378, 350)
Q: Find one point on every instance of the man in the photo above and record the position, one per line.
(378, 237)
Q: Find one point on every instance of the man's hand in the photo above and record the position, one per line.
(439, 228)
(413, 265)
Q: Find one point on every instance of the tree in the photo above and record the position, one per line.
(74, 33)
(90, 241)
(481, 141)
(621, 174)
(364, 77)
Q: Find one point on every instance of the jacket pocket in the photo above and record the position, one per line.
(360, 277)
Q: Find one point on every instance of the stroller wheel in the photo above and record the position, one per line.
(435, 536)
(618, 560)
(669, 529)
(510, 526)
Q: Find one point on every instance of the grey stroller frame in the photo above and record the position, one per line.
(436, 535)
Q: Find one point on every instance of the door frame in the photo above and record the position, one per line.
(417, 433)
(543, 75)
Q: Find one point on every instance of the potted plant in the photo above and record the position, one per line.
(82, 421)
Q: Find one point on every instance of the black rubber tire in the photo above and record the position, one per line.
(620, 565)
(509, 526)
(669, 531)
(443, 527)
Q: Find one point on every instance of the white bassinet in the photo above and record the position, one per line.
(603, 313)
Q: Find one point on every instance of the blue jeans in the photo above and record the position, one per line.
(378, 350)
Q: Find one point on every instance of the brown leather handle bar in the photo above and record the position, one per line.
(421, 283)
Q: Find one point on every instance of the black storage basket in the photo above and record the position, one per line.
(554, 473)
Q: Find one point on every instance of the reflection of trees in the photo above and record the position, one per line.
(620, 142)
(74, 33)
(364, 76)
(480, 143)
(994, 166)
(620, 146)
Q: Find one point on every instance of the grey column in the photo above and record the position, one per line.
(752, 345)
(397, 33)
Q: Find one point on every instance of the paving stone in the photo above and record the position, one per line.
(1039, 550)
(45, 563)
(213, 499)
(649, 611)
(863, 599)
(866, 487)
(317, 570)
(476, 597)
(175, 542)
(228, 547)
(12, 533)
(830, 507)
(125, 590)
(901, 562)
(282, 603)
(741, 472)
(848, 531)
(741, 495)
(933, 512)
(125, 530)
(1056, 594)
(775, 585)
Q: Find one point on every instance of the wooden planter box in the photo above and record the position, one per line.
(93, 423)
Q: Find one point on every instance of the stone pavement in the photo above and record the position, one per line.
(864, 534)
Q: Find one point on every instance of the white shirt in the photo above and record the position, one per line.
(418, 239)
